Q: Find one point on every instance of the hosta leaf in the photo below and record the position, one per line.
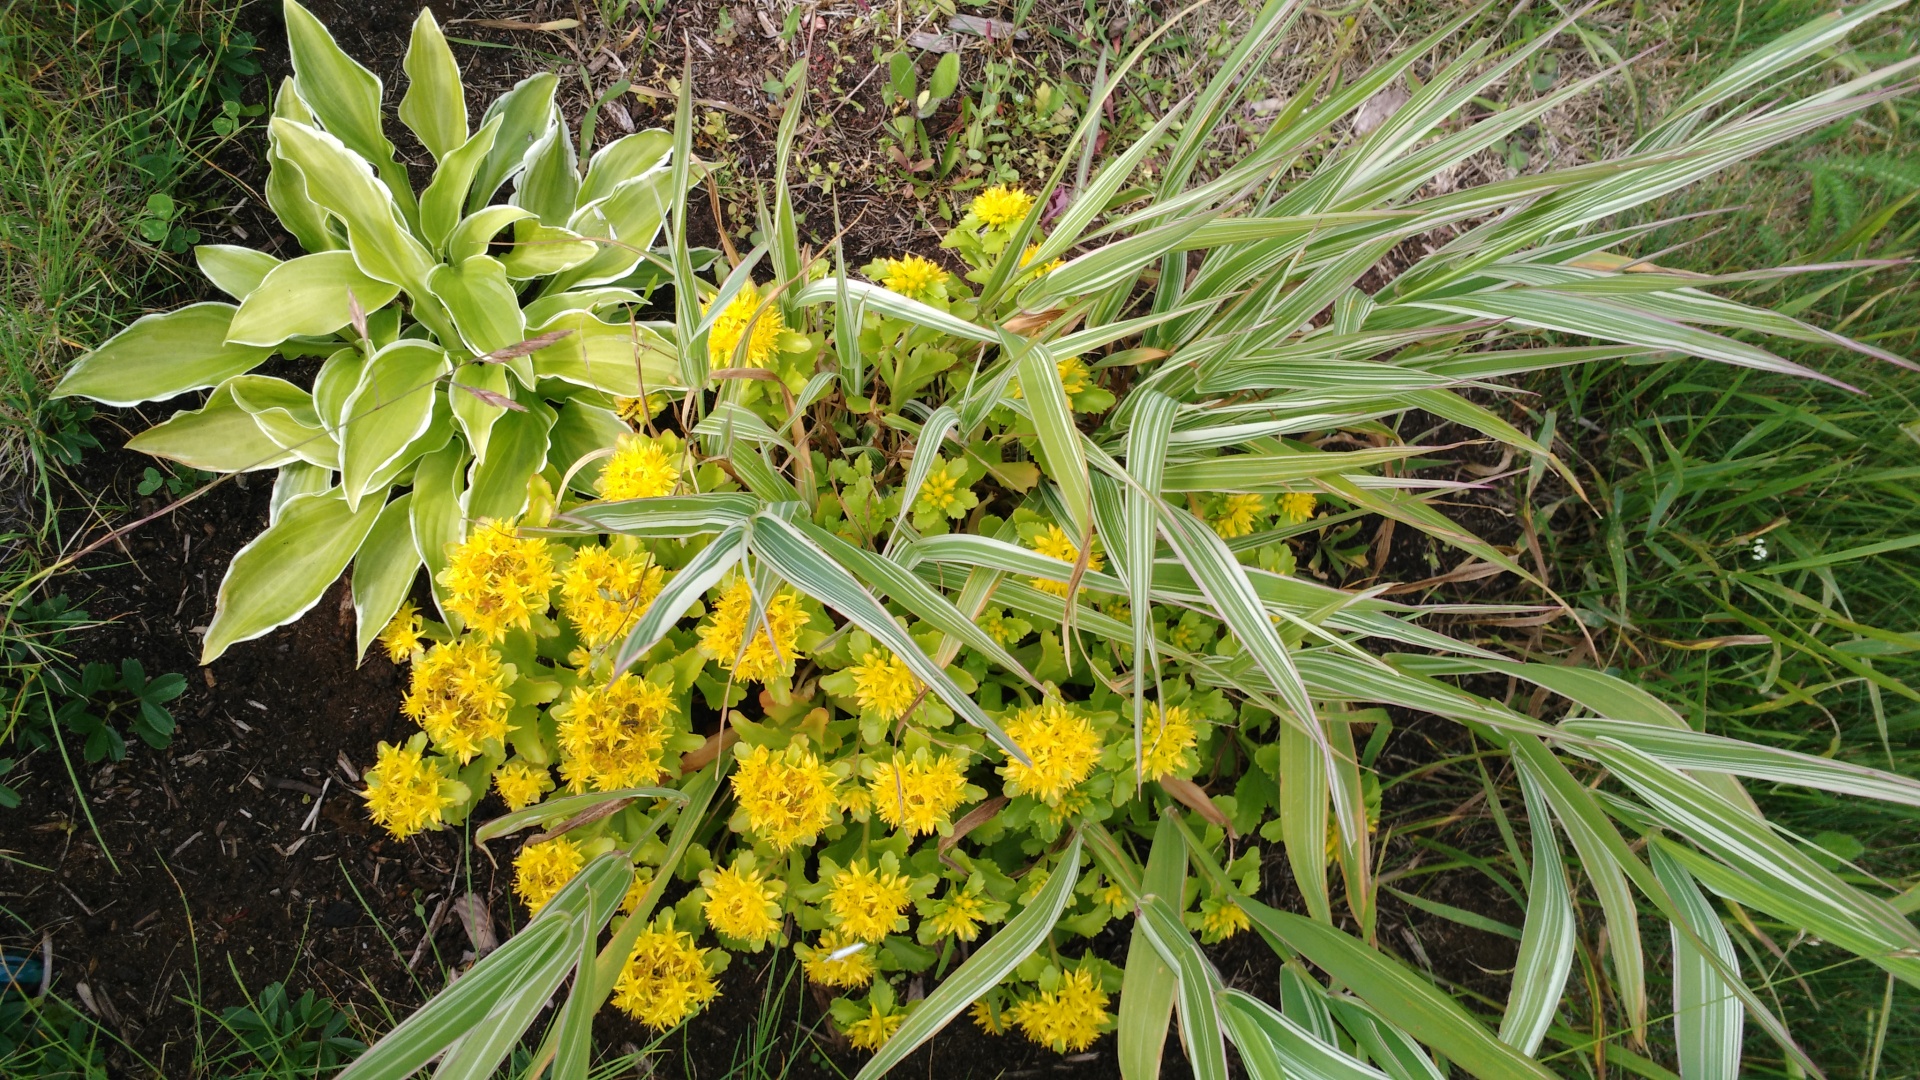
(474, 414)
(524, 113)
(550, 179)
(307, 296)
(283, 572)
(580, 431)
(544, 250)
(342, 182)
(625, 158)
(438, 483)
(234, 270)
(162, 356)
(435, 106)
(623, 359)
(516, 449)
(218, 437)
(286, 413)
(442, 202)
(343, 95)
(383, 571)
(390, 408)
(484, 308)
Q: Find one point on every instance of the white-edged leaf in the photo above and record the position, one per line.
(435, 105)
(234, 270)
(989, 964)
(282, 573)
(1197, 984)
(162, 356)
(384, 570)
(683, 590)
(792, 554)
(1547, 938)
(1707, 1019)
(1147, 988)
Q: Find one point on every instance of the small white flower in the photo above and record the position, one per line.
(1759, 549)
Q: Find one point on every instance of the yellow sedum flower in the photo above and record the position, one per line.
(856, 800)
(613, 735)
(636, 892)
(1221, 919)
(987, 1018)
(640, 468)
(921, 794)
(458, 695)
(1063, 748)
(1075, 377)
(1000, 205)
(1069, 1018)
(1166, 743)
(1298, 506)
(401, 638)
(1055, 544)
(665, 979)
(788, 797)
(406, 792)
(603, 593)
(1046, 268)
(521, 783)
(872, 1031)
(884, 685)
(911, 275)
(865, 901)
(837, 960)
(960, 915)
(1236, 515)
(497, 580)
(939, 492)
(541, 870)
(741, 905)
(1115, 898)
(771, 651)
(731, 326)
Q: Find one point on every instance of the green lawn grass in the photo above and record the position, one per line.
(1754, 550)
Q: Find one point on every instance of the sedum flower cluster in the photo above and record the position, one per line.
(861, 826)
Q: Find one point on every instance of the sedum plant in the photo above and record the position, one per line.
(953, 612)
(468, 352)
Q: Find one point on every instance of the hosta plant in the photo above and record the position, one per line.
(444, 356)
(953, 610)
